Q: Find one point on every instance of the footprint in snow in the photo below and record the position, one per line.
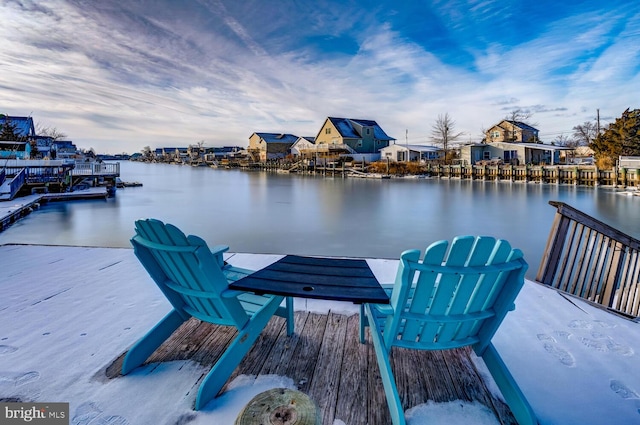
(20, 379)
(550, 345)
(7, 349)
(622, 390)
(605, 344)
(89, 413)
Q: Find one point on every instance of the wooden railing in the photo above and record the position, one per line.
(96, 169)
(592, 260)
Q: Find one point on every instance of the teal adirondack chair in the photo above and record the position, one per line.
(195, 281)
(449, 300)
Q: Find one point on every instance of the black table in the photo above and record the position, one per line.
(333, 279)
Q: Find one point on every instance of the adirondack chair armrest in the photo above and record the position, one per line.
(219, 249)
(383, 309)
(217, 252)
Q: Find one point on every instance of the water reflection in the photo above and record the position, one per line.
(271, 213)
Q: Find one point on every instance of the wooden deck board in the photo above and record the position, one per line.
(326, 361)
(328, 367)
(351, 404)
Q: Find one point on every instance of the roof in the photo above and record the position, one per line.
(64, 143)
(542, 146)
(278, 137)
(350, 128)
(9, 145)
(521, 125)
(24, 125)
(417, 148)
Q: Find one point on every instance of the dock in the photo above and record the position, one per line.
(13, 210)
(68, 315)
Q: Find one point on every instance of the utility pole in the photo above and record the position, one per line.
(406, 142)
(597, 122)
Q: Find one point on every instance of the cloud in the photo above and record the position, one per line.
(118, 76)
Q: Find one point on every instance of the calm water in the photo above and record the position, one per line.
(271, 213)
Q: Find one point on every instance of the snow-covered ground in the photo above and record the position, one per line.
(61, 325)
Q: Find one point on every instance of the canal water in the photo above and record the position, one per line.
(292, 214)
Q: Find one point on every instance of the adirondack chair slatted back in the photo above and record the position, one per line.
(455, 297)
(187, 273)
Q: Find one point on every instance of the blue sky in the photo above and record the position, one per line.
(117, 76)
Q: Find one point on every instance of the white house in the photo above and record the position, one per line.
(301, 145)
(418, 153)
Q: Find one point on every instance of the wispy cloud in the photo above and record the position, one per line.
(117, 76)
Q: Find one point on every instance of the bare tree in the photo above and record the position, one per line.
(519, 115)
(585, 133)
(443, 132)
(52, 132)
(563, 140)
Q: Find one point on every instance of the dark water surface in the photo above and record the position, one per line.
(291, 214)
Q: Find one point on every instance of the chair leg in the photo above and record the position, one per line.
(288, 314)
(513, 395)
(388, 380)
(233, 355)
(363, 323)
(152, 340)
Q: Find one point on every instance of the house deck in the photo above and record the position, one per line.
(326, 361)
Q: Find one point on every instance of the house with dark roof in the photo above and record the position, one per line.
(268, 146)
(65, 149)
(512, 132)
(24, 127)
(361, 136)
(169, 154)
(513, 142)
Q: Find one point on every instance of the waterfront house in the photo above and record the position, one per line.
(44, 147)
(511, 131)
(360, 136)
(517, 153)
(515, 143)
(171, 154)
(303, 146)
(222, 152)
(10, 149)
(24, 127)
(418, 153)
(65, 149)
(268, 146)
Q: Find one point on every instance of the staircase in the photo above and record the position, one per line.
(9, 186)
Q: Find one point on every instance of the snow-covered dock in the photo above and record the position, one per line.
(68, 313)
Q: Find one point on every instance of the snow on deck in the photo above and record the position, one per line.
(67, 312)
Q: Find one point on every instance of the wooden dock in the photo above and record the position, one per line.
(326, 361)
(14, 210)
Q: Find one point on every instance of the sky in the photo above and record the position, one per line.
(572, 361)
(118, 76)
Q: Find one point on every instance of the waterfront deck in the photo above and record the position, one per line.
(68, 313)
(326, 361)
(17, 208)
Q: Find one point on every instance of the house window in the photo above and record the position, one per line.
(359, 143)
(368, 131)
(486, 155)
(509, 155)
(495, 134)
(327, 131)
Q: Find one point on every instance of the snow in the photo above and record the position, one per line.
(576, 364)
